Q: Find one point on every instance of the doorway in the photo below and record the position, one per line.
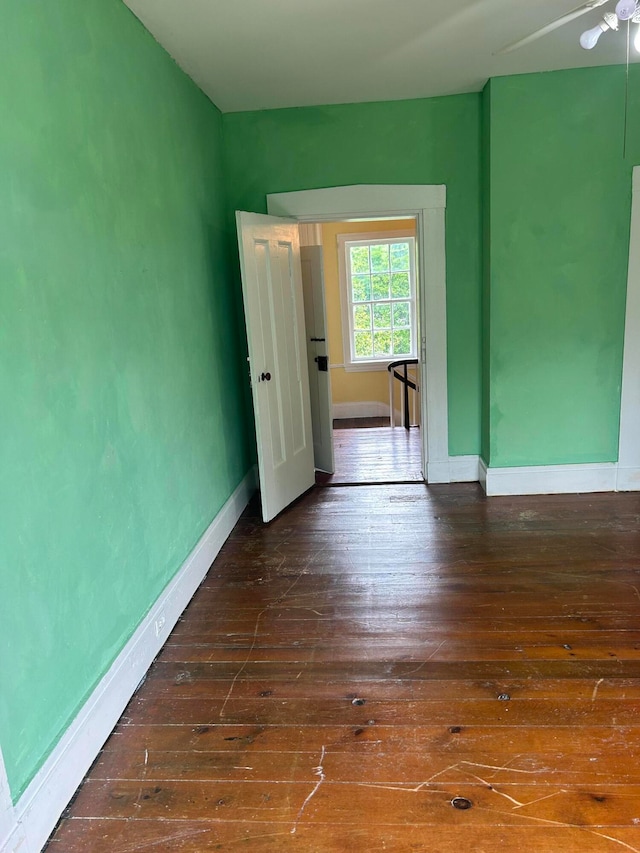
(427, 203)
(369, 299)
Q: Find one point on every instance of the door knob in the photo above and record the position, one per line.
(266, 377)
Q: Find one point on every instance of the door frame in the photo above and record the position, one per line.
(628, 468)
(427, 203)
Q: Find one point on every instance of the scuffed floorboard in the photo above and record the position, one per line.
(401, 668)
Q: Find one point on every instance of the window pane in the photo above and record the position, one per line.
(382, 343)
(380, 258)
(361, 286)
(400, 256)
(400, 285)
(363, 344)
(401, 341)
(359, 258)
(380, 286)
(362, 317)
(401, 314)
(382, 316)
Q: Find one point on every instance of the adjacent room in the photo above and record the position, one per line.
(250, 597)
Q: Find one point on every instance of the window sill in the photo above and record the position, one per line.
(365, 366)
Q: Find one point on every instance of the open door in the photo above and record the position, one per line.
(318, 357)
(274, 314)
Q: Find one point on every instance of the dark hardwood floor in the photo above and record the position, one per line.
(400, 668)
(374, 454)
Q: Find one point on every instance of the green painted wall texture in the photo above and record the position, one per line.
(559, 210)
(119, 436)
(435, 141)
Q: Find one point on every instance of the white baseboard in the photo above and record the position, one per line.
(456, 469)
(628, 479)
(9, 832)
(39, 808)
(367, 409)
(558, 479)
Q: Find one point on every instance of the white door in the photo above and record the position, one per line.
(274, 314)
(318, 357)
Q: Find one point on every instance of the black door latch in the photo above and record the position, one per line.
(322, 362)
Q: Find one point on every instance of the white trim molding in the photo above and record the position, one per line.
(627, 478)
(11, 834)
(427, 204)
(39, 808)
(549, 479)
(387, 201)
(311, 234)
(457, 469)
(629, 445)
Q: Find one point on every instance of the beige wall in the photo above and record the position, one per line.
(361, 386)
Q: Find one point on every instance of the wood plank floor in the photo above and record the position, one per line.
(401, 668)
(375, 455)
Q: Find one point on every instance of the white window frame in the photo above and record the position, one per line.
(351, 363)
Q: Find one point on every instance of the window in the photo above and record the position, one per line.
(379, 298)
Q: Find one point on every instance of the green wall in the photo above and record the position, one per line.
(435, 141)
(119, 437)
(557, 232)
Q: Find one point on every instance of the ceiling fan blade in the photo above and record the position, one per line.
(554, 25)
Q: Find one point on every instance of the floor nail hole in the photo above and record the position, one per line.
(504, 697)
(358, 701)
(461, 803)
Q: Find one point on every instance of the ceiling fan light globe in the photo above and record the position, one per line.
(589, 38)
(625, 9)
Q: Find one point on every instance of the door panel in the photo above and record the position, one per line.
(274, 314)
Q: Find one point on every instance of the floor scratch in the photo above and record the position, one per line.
(577, 826)
(318, 771)
(616, 840)
(138, 846)
(269, 606)
(250, 838)
(424, 662)
(517, 803)
(456, 766)
(143, 780)
(404, 790)
(496, 767)
(539, 800)
(595, 689)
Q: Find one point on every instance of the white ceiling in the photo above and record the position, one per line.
(262, 54)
